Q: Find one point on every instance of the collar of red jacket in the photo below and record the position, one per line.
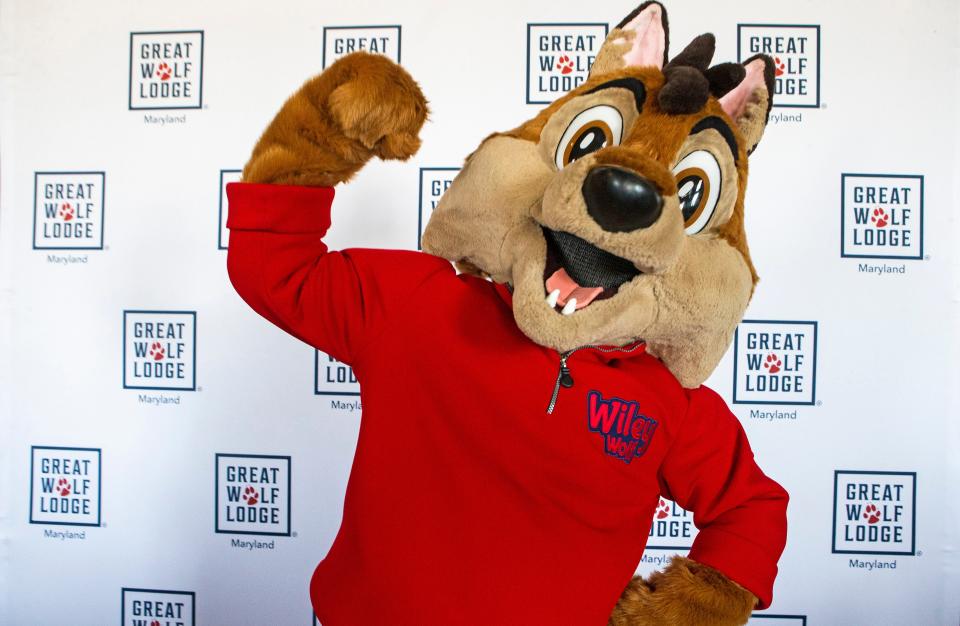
(605, 353)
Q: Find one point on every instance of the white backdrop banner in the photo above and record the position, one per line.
(170, 458)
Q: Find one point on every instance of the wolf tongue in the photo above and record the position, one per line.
(570, 289)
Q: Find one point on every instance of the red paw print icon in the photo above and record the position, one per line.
(66, 211)
(164, 72)
(663, 509)
(156, 351)
(564, 64)
(773, 363)
(780, 67)
(63, 487)
(250, 495)
(155, 622)
(880, 217)
(871, 514)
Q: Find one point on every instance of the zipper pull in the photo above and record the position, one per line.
(566, 380)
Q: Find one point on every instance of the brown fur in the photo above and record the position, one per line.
(362, 106)
(686, 593)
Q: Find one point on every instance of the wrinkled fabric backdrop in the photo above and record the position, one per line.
(171, 458)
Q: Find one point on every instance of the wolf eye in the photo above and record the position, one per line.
(597, 127)
(698, 188)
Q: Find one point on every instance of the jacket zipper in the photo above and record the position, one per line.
(565, 379)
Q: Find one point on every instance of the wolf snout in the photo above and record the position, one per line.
(620, 200)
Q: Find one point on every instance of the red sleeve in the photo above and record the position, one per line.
(334, 301)
(740, 513)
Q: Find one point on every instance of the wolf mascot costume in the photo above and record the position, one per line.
(523, 416)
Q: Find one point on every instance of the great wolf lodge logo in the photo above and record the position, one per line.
(159, 350)
(253, 494)
(881, 216)
(68, 210)
(226, 177)
(157, 607)
(672, 527)
(65, 486)
(433, 182)
(775, 362)
(874, 512)
(559, 57)
(166, 70)
(795, 51)
(340, 41)
(333, 378)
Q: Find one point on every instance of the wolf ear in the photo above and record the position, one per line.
(749, 103)
(640, 40)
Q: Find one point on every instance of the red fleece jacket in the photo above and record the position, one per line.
(467, 502)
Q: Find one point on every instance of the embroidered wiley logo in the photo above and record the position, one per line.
(65, 486)
(166, 70)
(333, 378)
(626, 433)
(157, 607)
(340, 41)
(68, 210)
(874, 512)
(159, 350)
(775, 362)
(226, 177)
(881, 216)
(796, 55)
(253, 494)
(559, 57)
(434, 181)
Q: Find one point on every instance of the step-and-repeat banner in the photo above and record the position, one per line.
(170, 458)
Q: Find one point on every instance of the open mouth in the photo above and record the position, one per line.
(578, 272)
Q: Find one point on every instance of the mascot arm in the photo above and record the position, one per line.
(360, 107)
(741, 517)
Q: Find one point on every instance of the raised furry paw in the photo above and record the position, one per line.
(381, 107)
(364, 105)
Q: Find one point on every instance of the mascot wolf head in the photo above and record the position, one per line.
(616, 214)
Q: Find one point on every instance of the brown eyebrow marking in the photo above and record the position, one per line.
(721, 127)
(634, 85)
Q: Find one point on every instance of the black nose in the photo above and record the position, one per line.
(621, 201)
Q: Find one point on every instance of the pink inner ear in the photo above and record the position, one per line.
(649, 39)
(735, 101)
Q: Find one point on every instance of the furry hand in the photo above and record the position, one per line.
(686, 593)
(362, 106)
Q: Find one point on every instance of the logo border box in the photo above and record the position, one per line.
(220, 245)
(99, 452)
(193, 386)
(913, 521)
(399, 27)
(192, 594)
(130, 106)
(736, 359)
(420, 223)
(802, 618)
(103, 208)
(843, 217)
(649, 547)
(819, 49)
(216, 493)
(316, 373)
(526, 94)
